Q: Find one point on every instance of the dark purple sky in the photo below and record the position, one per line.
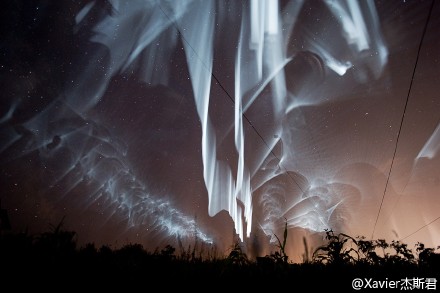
(151, 122)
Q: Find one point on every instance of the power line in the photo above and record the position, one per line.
(233, 101)
(401, 194)
(424, 226)
(403, 115)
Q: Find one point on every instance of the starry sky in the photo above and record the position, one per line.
(178, 122)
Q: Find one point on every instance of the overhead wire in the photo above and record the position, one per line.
(424, 226)
(233, 101)
(403, 114)
(271, 150)
(406, 184)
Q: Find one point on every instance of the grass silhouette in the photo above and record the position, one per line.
(53, 258)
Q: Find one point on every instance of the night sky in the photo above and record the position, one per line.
(162, 122)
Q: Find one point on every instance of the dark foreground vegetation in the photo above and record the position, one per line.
(53, 261)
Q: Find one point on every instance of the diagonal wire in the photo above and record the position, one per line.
(409, 180)
(424, 226)
(403, 115)
(233, 101)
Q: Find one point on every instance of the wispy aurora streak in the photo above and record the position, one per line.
(144, 34)
(252, 70)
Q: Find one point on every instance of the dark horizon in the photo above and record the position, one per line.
(155, 122)
(342, 263)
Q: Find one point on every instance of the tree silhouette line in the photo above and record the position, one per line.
(55, 255)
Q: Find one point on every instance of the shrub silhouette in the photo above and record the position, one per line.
(342, 256)
(337, 251)
(427, 258)
(344, 249)
(281, 256)
(56, 243)
(237, 256)
(367, 251)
